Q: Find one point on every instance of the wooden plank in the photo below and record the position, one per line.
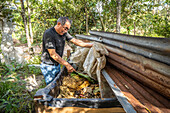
(40, 108)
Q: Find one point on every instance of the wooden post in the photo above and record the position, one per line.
(68, 53)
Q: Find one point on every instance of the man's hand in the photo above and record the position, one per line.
(57, 58)
(69, 68)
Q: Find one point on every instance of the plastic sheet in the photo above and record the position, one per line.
(92, 61)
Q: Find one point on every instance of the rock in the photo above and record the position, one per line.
(33, 82)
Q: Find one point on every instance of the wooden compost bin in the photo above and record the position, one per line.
(46, 101)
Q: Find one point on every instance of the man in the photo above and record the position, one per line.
(53, 47)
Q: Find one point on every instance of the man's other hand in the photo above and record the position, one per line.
(69, 68)
(81, 43)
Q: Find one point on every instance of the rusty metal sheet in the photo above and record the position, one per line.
(139, 107)
(146, 62)
(129, 85)
(156, 95)
(150, 74)
(123, 101)
(154, 85)
(135, 93)
(132, 48)
(161, 44)
(149, 97)
(138, 50)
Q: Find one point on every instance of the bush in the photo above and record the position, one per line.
(14, 98)
(35, 60)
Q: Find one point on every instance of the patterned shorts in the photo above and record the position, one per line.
(49, 72)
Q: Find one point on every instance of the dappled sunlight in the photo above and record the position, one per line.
(135, 32)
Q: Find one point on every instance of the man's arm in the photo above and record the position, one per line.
(81, 43)
(57, 58)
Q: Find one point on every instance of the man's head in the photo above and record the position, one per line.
(63, 25)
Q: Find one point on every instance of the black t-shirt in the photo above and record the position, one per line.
(52, 40)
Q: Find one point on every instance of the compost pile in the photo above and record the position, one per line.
(75, 86)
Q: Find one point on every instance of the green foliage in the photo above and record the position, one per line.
(3, 69)
(150, 17)
(23, 39)
(34, 70)
(73, 74)
(14, 97)
(35, 60)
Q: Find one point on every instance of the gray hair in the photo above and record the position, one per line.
(63, 20)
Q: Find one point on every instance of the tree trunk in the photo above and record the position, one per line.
(118, 16)
(7, 42)
(128, 30)
(11, 55)
(154, 8)
(30, 26)
(87, 27)
(25, 23)
(94, 21)
(101, 20)
(134, 29)
(103, 26)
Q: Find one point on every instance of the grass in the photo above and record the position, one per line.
(14, 98)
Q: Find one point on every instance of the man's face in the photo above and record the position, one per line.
(64, 28)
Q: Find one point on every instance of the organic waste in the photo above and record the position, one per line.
(78, 85)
